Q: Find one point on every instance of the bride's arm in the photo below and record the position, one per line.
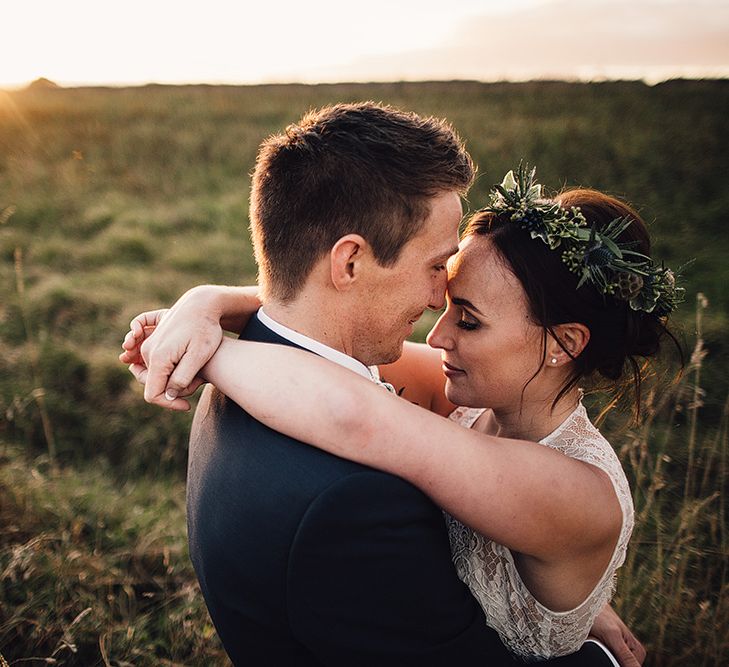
(524, 495)
(173, 345)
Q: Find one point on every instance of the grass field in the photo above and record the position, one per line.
(116, 200)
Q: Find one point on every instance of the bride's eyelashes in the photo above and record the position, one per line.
(465, 324)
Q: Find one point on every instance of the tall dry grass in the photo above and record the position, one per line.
(94, 572)
(673, 589)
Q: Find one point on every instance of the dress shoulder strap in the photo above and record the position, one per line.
(466, 416)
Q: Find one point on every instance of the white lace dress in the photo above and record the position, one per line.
(528, 628)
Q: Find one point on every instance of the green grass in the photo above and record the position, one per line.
(94, 571)
(113, 201)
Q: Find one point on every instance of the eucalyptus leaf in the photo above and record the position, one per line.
(509, 182)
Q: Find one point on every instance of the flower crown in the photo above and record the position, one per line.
(597, 256)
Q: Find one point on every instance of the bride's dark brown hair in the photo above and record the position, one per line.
(619, 336)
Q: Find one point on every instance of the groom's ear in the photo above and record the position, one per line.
(346, 260)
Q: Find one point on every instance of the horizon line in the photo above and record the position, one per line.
(49, 84)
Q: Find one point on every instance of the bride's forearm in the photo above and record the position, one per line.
(232, 306)
(289, 390)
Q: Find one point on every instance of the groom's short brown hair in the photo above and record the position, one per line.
(358, 168)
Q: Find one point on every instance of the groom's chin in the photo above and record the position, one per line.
(389, 356)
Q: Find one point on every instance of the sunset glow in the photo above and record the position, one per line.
(86, 42)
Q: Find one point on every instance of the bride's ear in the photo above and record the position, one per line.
(573, 338)
(346, 259)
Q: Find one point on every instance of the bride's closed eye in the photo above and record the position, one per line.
(468, 325)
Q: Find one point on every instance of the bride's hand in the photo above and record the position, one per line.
(165, 349)
(140, 328)
(140, 372)
(611, 631)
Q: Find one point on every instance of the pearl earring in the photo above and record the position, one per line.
(554, 360)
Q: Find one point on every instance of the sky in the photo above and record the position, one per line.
(79, 42)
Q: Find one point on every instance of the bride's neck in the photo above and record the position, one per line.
(531, 420)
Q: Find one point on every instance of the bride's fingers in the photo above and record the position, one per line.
(128, 357)
(636, 648)
(192, 387)
(143, 325)
(627, 649)
(130, 341)
(188, 390)
(137, 336)
(139, 371)
(179, 405)
(184, 375)
(150, 318)
(131, 350)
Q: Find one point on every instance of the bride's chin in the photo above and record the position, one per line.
(461, 397)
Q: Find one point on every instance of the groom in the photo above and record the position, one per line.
(304, 558)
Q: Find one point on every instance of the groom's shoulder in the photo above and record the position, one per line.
(231, 443)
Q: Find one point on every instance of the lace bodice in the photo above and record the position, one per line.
(527, 628)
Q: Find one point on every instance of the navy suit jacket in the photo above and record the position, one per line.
(308, 559)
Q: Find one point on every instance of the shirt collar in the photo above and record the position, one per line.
(371, 373)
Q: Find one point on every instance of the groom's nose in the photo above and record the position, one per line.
(437, 296)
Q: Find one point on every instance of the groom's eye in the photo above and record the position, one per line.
(440, 267)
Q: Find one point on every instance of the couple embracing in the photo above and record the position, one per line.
(380, 502)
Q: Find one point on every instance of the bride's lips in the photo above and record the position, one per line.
(451, 371)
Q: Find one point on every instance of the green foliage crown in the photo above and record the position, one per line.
(597, 256)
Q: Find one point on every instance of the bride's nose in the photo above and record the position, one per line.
(439, 336)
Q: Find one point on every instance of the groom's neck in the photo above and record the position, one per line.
(312, 317)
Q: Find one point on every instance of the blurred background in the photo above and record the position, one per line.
(127, 136)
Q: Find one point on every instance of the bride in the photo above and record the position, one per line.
(544, 295)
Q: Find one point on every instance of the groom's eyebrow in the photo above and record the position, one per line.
(444, 257)
(465, 302)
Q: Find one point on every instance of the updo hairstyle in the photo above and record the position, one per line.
(619, 335)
